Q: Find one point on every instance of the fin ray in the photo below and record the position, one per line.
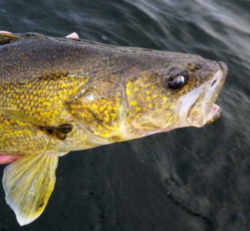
(28, 183)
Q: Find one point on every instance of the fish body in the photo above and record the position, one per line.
(58, 95)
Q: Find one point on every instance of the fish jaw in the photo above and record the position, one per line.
(199, 107)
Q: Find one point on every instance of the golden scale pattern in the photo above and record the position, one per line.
(100, 115)
(25, 107)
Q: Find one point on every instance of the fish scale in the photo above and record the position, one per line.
(40, 101)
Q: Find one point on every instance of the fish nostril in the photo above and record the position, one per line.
(212, 84)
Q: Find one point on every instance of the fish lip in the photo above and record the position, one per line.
(213, 114)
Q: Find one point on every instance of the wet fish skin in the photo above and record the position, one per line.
(59, 95)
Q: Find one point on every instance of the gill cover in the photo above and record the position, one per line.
(28, 184)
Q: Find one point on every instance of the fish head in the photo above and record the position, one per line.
(181, 94)
(178, 91)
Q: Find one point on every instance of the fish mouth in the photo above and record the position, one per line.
(211, 110)
(201, 109)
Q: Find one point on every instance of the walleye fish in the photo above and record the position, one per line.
(58, 95)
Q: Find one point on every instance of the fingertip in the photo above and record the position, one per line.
(73, 36)
(5, 32)
(6, 159)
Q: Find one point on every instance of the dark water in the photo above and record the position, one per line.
(188, 179)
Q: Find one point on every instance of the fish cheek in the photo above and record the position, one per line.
(150, 103)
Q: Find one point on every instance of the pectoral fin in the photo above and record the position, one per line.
(28, 183)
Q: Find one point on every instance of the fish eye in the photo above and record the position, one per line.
(177, 81)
